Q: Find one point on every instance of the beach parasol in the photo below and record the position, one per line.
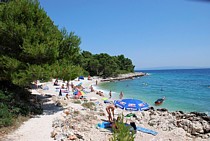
(79, 93)
(131, 104)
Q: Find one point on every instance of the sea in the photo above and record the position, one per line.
(185, 90)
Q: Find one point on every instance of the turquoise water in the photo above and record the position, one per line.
(187, 90)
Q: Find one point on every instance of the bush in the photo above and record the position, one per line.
(14, 103)
(77, 101)
(122, 133)
(5, 116)
(89, 105)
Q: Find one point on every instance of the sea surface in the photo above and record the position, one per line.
(185, 89)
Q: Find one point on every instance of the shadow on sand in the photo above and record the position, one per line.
(49, 107)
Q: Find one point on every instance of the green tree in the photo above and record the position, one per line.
(69, 47)
(105, 65)
(29, 41)
(32, 46)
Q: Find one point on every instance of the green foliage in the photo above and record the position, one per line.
(105, 65)
(5, 116)
(89, 105)
(77, 101)
(122, 133)
(32, 47)
(69, 47)
(13, 104)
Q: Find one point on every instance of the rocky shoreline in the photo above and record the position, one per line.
(77, 124)
(124, 77)
(194, 123)
(80, 125)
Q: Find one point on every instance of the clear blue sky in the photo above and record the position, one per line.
(152, 33)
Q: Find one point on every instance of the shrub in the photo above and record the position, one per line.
(122, 133)
(5, 116)
(89, 105)
(77, 101)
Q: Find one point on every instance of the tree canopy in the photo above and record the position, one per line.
(32, 47)
(105, 65)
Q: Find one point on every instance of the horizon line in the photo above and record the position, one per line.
(174, 68)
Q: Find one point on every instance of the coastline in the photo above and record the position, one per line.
(169, 125)
(124, 77)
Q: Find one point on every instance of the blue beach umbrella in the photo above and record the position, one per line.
(131, 104)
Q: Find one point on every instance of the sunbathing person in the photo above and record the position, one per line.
(62, 87)
(101, 93)
(115, 124)
(56, 82)
(66, 97)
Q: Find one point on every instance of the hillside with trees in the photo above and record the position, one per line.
(33, 48)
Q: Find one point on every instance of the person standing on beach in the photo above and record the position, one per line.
(68, 85)
(110, 94)
(60, 93)
(121, 95)
(110, 111)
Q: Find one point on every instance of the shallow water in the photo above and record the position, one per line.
(186, 90)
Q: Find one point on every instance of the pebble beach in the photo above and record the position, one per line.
(67, 119)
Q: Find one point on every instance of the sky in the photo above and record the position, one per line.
(152, 33)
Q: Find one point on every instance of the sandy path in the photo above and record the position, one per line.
(40, 127)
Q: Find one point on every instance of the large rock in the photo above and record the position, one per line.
(206, 126)
(197, 127)
(198, 114)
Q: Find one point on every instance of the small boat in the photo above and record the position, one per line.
(159, 101)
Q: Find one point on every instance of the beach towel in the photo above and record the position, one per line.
(104, 125)
(46, 88)
(106, 101)
(144, 130)
(104, 98)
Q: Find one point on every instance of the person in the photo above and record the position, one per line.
(72, 85)
(66, 97)
(56, 82)
(96, 82)
(100, 93)
(110, 94)
(115, 126)
(89, 78)
(35, 84)
(62, 87)
(114, 123)
(110, 111)
(67, 85)
(60, 93)
(91, 88)
(121, 95)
